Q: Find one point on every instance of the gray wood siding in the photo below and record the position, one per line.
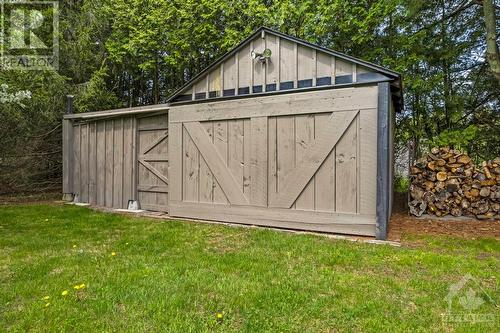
(309, 152)
(291, 66)
(103, 162)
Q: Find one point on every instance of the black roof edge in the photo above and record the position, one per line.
(280, 92)
(391, 73)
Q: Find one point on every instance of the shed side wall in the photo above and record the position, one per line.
(303, 160)
(103, 162)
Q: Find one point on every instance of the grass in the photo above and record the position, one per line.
(174, 276)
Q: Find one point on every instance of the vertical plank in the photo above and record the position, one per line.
(101, 163)
(315, 67)
(287, 63)
(191, 169)
(200, 87)
(252, 68)
(220, 143)
(305, 63)
(93, 163)
(325, 176)
(135, 173)
(258, 67)
(346, 171)
(68, 156)
(175, 161)
(333, 68)
(76, 159)
(273, 157)
(206, 177)
(128, 138)
(323, 65)
(162, 166)
(383, 160)
(247, 144)
(286, 148)
(215, 82)
(343, 69)
(109, 163)
(84, 162)
(304, 136)
(258, 161)
(272, 70)
(230, 73)
(244, 67)
(296, 64)
(235, 150)
(118, 163)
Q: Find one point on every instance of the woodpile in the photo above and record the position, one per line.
(446, 182)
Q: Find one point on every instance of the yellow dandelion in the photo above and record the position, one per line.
(113, 253)
(64, 293)
(74, 246)
(79, 286)
(126, 243)
(47, 304)
(46, 220)
(219, 316)
(46, 298)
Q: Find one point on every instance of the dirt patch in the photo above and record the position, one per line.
(402, 225)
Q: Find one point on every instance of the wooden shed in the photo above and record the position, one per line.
(277, 132)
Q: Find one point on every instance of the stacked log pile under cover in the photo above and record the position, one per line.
(447, 182)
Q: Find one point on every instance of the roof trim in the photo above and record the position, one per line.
(378, 68)
(118, 112)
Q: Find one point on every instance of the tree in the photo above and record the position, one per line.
(492, 53)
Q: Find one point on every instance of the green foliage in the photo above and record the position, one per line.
(401, 183)
(458, 139)
(95, 95)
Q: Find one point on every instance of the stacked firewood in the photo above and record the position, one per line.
(446, 181)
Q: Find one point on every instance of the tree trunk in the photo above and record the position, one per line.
(492, 53)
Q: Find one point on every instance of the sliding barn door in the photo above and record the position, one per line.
(303, 161)
(152, 159)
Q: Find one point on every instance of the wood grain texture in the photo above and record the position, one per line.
(109, 163)
(325, 176)
(176, 162)
(258, 161)
(92, 141)
(292, 183)
(206, 178)
(220, 143)
(335, 100)
(367, 161)
(353, 224)
(216, 163)
(304, 137)
(76, 161)
(346, 171)
(101, 163)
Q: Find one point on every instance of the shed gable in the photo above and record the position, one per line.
(293, 64)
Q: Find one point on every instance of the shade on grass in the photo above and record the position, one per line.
(191, 277)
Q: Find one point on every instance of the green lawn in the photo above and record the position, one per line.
(175, 276)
